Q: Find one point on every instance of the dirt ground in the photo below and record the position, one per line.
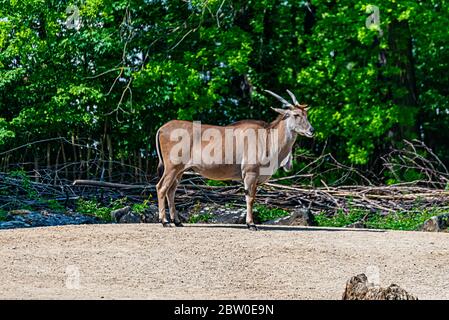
(146, 261)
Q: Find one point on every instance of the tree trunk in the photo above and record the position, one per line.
(136, 166)
(56, 166)
(404, 91)
(147, 163)
(139, 157)
(122, 164)
(64, 161)
(88, 158)
(75, 157)
(110, 156)
(309, 18)
(36, 167)
(102, 152)
(80, 154)
(48, 156)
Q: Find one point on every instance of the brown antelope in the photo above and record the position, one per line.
(252, 151)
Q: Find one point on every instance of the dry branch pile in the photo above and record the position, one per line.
(430, 191)
(328, 199)
(385, 199)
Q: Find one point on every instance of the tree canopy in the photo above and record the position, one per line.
(109, 73)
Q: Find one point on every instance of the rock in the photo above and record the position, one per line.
(181, 216)
(45, 218)
(217, 214)
(285, 221)
(436, 224)
(228, 215)
(358, 288)
(299, 217)
(13, 224)
(116, 215)
(126, 215)
(151, 214)
(356, 225)
(303, 217)
(20, 218)
(130, 217)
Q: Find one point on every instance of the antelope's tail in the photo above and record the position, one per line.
(160, 166)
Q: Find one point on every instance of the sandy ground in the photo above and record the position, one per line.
(145, 261)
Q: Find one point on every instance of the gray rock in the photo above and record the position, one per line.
(235, 216)
(436, 224)
(130, 217)
(45, 218)
(356, 225)
(303, 217)
(218, 214)
(227, 215)
(299, 217)
(117, 215)
(284, 221)
(181, 216)
(16, 218)
(13, 224)
(151, 214)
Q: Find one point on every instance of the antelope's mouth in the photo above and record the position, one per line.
(309, 135)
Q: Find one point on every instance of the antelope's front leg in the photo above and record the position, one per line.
(250, 183)
(171, 203)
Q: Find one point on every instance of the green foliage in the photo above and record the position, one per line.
(133, 65)
(406, 175)
(3, 215)
(215, 183)
(264, 213)
(200, 217)
(395, 221)
(340, 219)
(140, 208)
(402, 220)
(5, 133)
(93, 208)
(54, 205)
(25, 181)
(230, 205)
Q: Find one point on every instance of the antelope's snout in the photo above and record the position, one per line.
(311, 132)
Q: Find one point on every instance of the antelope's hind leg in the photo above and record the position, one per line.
(171, 201)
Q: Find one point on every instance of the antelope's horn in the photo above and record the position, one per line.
(295, 102)
(284, 102)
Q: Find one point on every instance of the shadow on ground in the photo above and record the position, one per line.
(279, 228)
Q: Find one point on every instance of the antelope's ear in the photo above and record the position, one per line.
(281, 111)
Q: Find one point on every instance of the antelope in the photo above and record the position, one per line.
(182, 145)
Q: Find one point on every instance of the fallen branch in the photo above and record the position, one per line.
(102, 184)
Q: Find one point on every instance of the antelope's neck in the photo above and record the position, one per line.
(286, 139)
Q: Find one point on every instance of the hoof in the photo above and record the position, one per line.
(252, 227)
(166, 224)
(178, 223)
